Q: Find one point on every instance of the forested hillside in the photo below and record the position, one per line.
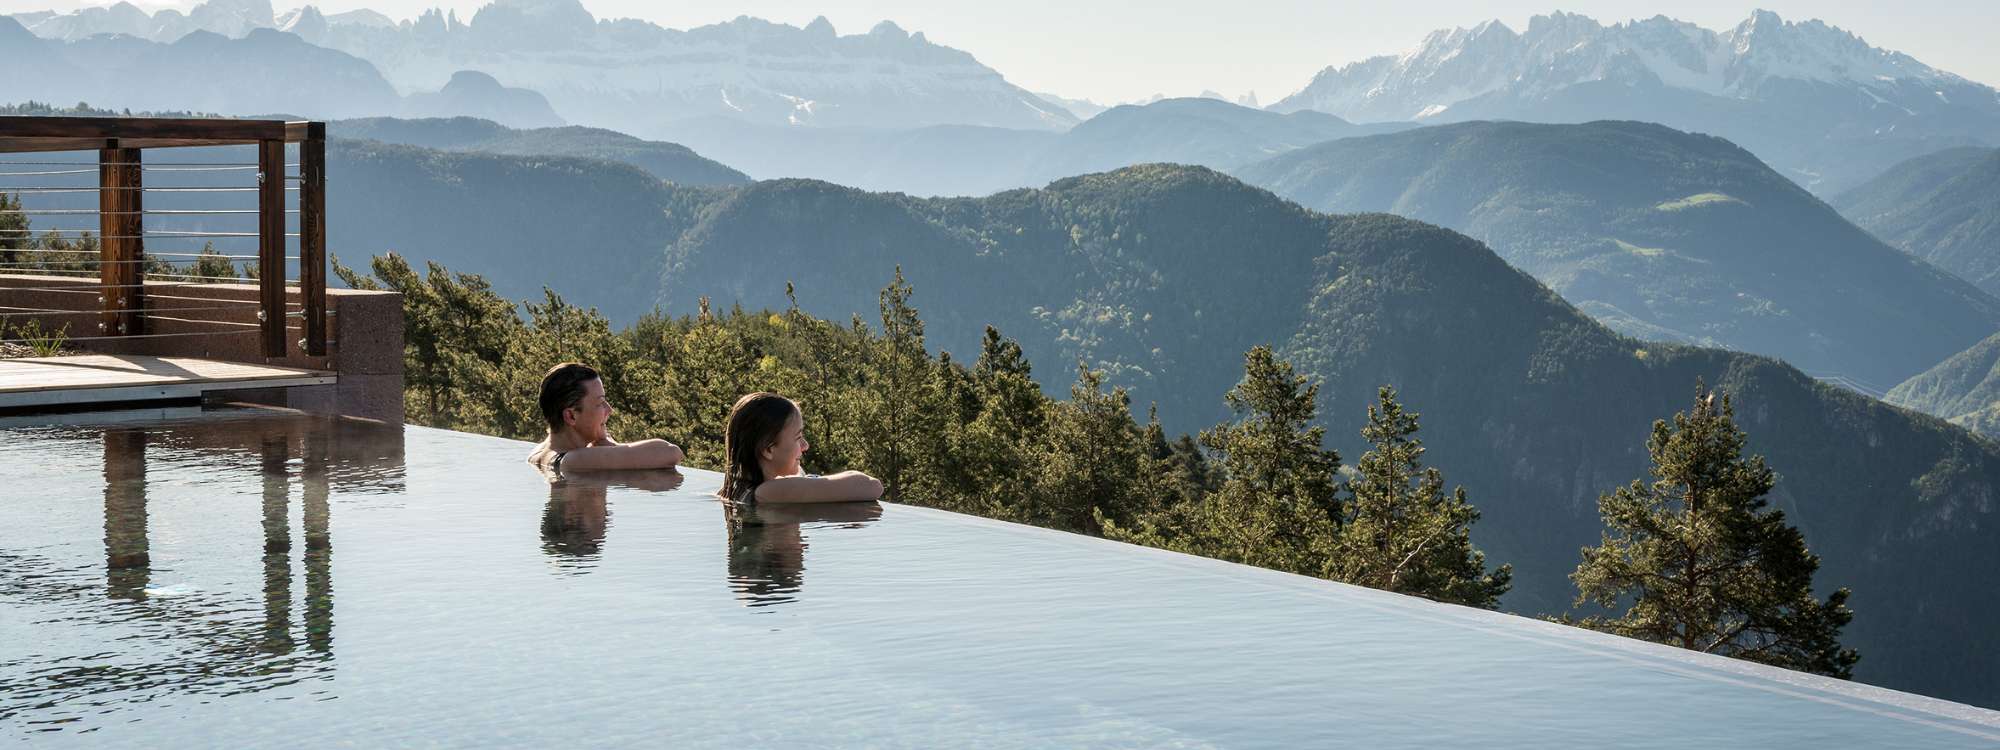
(668, 161)
(1942, 207)
(1661, 235)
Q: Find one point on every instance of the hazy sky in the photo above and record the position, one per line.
(1120, 50)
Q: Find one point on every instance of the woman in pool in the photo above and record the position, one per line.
(573, 403)
(762, 444)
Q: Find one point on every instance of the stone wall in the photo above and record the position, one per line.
(364, 340)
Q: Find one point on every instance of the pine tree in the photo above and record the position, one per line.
(896, 410)
(14, 229)
(1278, 507)
(1087, 466)
(996, 444)
(1402, 532)
(1698, 562)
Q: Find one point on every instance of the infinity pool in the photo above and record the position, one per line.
(240, 578)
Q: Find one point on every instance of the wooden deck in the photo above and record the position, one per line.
(67, 382)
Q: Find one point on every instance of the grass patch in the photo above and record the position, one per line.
(1698, 199)
(1650, 252)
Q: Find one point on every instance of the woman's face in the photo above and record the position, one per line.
(783, 456)
(589, 416)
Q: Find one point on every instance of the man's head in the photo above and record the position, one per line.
(573, 397)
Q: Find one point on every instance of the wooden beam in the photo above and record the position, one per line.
(271, 244)
(30, 145)
(121, 244)
(300, 131)
(142, 127)
(312, 240)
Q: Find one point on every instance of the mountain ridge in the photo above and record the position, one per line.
(1816, 101)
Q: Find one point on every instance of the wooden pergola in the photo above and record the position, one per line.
(120, 143)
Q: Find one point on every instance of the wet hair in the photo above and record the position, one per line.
(562, 388)
(754, 424)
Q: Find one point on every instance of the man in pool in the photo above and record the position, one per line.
(574, 405)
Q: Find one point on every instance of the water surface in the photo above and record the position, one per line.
(250, 578)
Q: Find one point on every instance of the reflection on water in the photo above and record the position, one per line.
(127, 564)
(767, 549)
(577, 515)
(134, 640)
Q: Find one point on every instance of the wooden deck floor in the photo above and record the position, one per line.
(98, 378)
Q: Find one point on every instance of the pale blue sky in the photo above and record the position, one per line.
(1120, 50)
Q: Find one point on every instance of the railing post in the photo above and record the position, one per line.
(312, 236)
(271, 244)
(120, 243)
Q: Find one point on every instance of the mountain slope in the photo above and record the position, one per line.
(1662, 235)
(1943, 207)
(1165, 274)
(668, 161)
(1964, 388)
(587, 228)
(1816, 102)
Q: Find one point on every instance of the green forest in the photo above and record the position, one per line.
(1261, 489)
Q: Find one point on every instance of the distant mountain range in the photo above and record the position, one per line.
(627, 74)
(1662, 235)
(1814, 101)
(969, 160)
(260, 72)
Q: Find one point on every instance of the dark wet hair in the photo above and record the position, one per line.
(754, 424)
(562, 388)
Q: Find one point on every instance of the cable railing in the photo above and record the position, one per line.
(168, 232)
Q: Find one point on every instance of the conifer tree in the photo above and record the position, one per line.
(14, 230)
(1087, 467)
(1401, 531)
(895, 406)
(704, 375)
(996, 443)
(1696, 560)
(1277, 508)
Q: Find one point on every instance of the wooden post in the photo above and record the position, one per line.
(271, 244)
(120, 226)
(312, 236)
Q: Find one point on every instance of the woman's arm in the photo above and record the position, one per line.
(644, 454)
(847, 486)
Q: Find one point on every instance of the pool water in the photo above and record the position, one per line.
(249, 578)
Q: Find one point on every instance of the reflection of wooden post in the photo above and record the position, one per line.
(319, 547)
(277, 496)
(126, 561)
(277, 548)
(121, 247)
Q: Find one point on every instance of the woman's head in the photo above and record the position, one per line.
(764, 438)
(573, 399)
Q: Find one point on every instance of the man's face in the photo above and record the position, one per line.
(590, 415)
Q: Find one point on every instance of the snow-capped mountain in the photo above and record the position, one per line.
(632, 75)
(1797, 94)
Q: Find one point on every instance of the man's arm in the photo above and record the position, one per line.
(644, 454)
